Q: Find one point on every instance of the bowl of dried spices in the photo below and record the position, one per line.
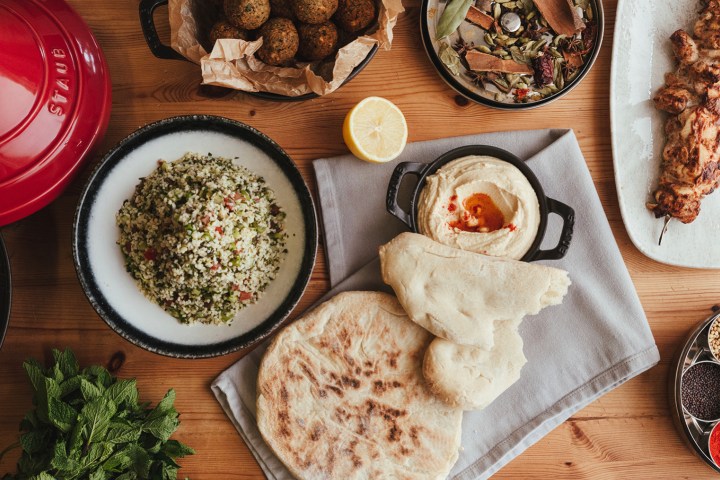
(713, 339)
(700, 391)
(714, 444)
(512, 54)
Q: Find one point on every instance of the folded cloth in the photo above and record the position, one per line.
(578, 351)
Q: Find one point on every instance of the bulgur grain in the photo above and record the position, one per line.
(202, 236)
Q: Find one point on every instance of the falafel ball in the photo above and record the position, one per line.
(317, 41)
(314, 12)
(281, 8)
(280, 41)
(247, 14)
(354, 15)
(224, 29)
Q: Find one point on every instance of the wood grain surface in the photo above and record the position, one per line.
(626, 434)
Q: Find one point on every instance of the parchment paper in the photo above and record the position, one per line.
(231, 63)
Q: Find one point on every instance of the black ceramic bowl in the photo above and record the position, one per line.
(147, 7)
(473, 93)
(5, 291)
(547, 205)
(100, 264)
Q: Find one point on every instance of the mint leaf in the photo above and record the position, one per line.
(62, 462)
(48, 389)
(98, 474)
(35, 441)
(97, 453)
(96, 416)
(127, 476)
(69, 386)
(29, 421)
(89, 390)
(61, 415)
(102, 377)
(118, 462)
(165, 405)
(175, 449)
(123, 391)
(140, 461)
(66, 362)
(119, 433)
(43, 476)
(75, 441)
(35, 373)
(162, 427)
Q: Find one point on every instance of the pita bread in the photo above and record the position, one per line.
(472, 378)
(341, 395)
(459, 295)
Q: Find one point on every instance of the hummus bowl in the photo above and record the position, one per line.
(488, 179)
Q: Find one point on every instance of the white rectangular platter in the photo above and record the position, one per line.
(642, 55)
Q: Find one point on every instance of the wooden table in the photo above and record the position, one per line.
(626, 434)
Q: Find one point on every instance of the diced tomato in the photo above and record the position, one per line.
(229, 204)
(215, 267)
(521, 93)
(245, 296)
(219, 230)
(150, 254)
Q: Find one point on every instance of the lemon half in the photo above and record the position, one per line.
(375, 130)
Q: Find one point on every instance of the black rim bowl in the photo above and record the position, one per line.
(5, 290)
(171, 125)
(476, 97)
(547, 205)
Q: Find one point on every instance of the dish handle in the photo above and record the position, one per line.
(568, 216)
(160, 50)
(391, 203)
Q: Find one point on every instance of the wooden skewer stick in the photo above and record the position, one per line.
(665, 227)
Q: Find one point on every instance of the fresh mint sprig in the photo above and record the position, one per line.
(87, 424)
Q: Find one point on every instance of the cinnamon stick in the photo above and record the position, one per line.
(482, 62)
(480, 18)
(561, 16)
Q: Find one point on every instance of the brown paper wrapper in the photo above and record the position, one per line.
(232, 63)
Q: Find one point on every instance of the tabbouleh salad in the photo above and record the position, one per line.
(202, 236)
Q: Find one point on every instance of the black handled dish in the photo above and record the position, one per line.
(547, 205)
(162, 51)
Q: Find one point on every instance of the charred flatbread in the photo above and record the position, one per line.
(341, 395)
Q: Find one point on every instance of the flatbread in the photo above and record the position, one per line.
(341, 395)
(472, 378)
(459, 295)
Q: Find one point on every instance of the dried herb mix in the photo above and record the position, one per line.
(532, 60)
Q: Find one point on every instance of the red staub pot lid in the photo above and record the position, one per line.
(54, 102)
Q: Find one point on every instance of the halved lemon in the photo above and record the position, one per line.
(375, 130)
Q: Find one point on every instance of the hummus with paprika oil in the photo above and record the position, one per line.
(480, 204)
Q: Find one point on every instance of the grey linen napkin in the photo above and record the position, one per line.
(595, 341)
